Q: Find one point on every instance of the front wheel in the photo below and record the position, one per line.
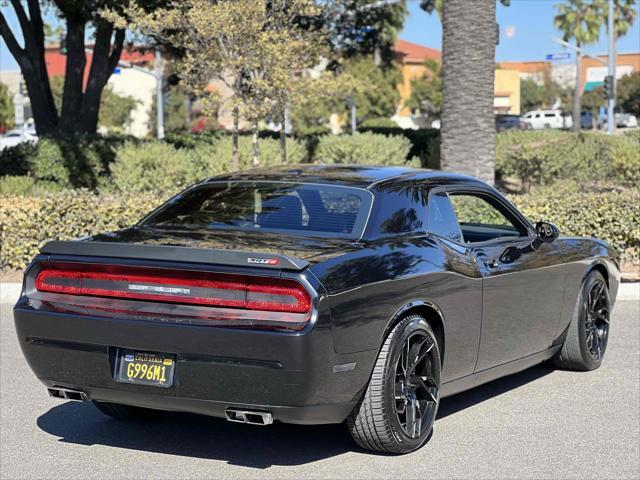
(586, 341)
(399, 407)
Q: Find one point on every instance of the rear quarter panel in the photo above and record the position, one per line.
(369, 287)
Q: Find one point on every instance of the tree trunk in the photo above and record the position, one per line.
(468, 72)
(32, 63)
(105, 59)
(234, 140)
(283, 138)
(577, 94)
(254, 145)
(72, 94)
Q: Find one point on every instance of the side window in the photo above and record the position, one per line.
(482, 218)
(441, 218)
(538, 115)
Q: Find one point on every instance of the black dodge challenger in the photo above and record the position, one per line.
(315, 294)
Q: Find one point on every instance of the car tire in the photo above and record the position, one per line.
(125, 412)
(586, 339)
(400, 389)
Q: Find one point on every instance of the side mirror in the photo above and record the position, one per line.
(546, 232)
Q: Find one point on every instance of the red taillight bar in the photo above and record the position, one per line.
(252, 293)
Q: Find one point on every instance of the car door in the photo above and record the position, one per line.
(522, 298)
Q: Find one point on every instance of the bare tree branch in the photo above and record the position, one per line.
(118, 42)
(23, 19)
(16, 50)
(37, 25)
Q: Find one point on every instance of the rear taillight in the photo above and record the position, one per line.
(215, 290)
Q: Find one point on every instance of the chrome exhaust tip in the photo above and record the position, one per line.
(67, 394)
(251, 417)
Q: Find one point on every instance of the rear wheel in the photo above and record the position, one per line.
(399, 407)
(586, 341)
(125, 412)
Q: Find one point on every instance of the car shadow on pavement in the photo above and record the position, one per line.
(258, 447)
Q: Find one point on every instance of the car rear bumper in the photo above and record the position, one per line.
(298, 378)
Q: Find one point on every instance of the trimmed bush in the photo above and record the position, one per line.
(610, 216)
(157, 166)
(544, 157)
(425, 142)
(219, 159)
(81, 161)
(27, 222)
(364, 149)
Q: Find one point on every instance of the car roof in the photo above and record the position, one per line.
(361, 176)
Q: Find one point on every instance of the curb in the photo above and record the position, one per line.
(9, 292)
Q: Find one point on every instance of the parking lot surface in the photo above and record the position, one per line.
(541, 423)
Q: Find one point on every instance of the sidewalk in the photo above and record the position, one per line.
(9, 292)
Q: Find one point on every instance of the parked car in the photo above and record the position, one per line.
(16, 137)
(511, 122)
(541, 119)
(626, 120)
(587, 121)
(315, 294)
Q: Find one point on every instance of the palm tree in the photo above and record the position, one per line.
(469, 38)
(579, 20)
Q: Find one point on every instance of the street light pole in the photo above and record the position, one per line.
(611, 99)
(159, 97)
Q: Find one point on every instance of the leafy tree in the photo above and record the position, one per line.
(530, 95)
(79, 110)
(177, 111)
(6, 108)
(469, 38)
(579, 20)
(628, 94)
(115, 110)
(256, 48)
(376, 91)
(593, 100)
(426, 92)
(364, 27)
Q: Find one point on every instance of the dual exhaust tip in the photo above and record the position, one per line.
(251, 417)
(67, 394)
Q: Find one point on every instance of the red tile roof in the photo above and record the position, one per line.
(57, 62)
(414, 53)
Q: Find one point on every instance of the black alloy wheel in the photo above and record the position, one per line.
(416, 389)
(399, 407)
(586, 337)
(596, 320)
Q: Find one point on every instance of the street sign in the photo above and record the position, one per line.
(559, 56)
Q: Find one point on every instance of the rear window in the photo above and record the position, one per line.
(292, 208)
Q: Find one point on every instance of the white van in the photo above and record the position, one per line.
(540, 119)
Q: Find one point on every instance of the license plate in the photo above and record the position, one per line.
(145, 368)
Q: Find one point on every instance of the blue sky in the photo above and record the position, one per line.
(530, 20)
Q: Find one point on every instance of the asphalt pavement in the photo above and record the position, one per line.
(541, 423)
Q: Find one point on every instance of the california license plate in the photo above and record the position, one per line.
(145, 368)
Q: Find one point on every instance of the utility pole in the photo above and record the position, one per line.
(611, 97)
(159, 97)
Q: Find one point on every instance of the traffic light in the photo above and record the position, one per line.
(608, 87)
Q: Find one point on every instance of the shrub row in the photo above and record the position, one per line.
(27, 222)
(544, 157)
(139, 166)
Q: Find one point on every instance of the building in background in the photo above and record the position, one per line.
(412, 57)
(125, 81)
(592, 72)
(506, 96)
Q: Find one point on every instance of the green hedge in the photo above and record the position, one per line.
(425, 142)
(27, 222)
(544, 157)
(364, 149)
